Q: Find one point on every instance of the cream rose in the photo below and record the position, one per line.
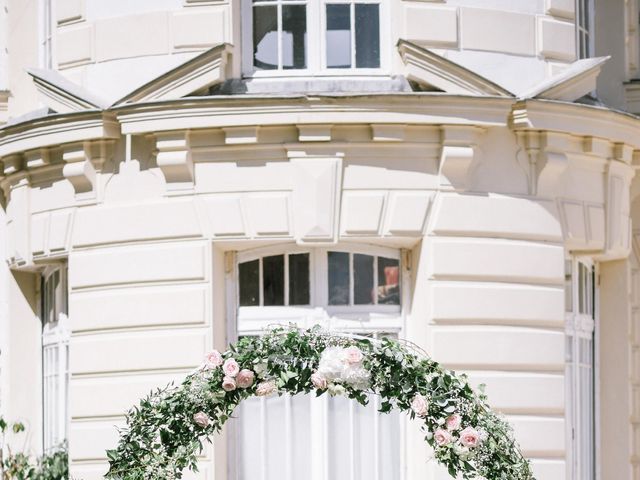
(201, 419)
(470, 437)
(228, 384)
(336, 389)
(230, 367)
(213, 359)
(420, 406)
(245, 378)
(453, 422)
(353, 355)
(318, 381)
(442, 437)
(265, 389)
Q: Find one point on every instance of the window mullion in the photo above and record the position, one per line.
(286, 280)
(352, 10)
(261, 283)
(279, 14)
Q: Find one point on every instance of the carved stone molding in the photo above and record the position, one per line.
(547, 160)
(459, 145)
(175, 160)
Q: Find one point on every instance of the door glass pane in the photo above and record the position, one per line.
(265, 37)
(367, 36)
(299, 279)
(388, 281)
(338, 278)
(294, 36)
(249, 279)
(273, 278)
(363, 279)
(338, 36)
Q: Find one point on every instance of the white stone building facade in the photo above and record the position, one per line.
(457, 173)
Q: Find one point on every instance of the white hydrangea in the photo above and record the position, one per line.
(344, 365)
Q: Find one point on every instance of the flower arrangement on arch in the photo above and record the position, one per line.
(165, 432)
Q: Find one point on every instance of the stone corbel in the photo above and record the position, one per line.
(459, 149)
(175, 160)
(551, 163)
(79, 170)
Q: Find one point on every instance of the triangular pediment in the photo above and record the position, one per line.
(428, 69)
(62, 95)
(574, 82)
(199, 73)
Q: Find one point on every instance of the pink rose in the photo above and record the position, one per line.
(453, 422)
(354, 355)
(245, 378)
(470, 437)
(228, 384)
(230, 367)
(420, 405)
(442, 437)
(213, 359)
(201, 419)
(319, 381)
(265, 389)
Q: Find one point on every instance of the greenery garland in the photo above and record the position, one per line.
(165, 432)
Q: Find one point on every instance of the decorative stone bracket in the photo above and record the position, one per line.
(173, 156)
(546, 160)
(459, 149)
(83, 162)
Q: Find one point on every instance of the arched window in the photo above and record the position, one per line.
(351, 288)
(313, 36)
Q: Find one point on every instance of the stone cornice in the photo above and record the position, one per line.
(576, 119)
(58, 130)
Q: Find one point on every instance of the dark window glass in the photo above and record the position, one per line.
(249, 273)
(273, 280)
(294, 36)
(338, 36)
(367, 36)
(388, 281)
(265, 37)
(363, 279)
(299, 279)
(338, 278)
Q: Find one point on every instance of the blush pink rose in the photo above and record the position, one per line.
(420, 406)
(213, 359)
(228, 384)
(453, 422)
(470, 437)
(354, 355)
(319, 381)
(230, 367)
(442, 437)
(265, 389)
(245, 378)
(201, 419)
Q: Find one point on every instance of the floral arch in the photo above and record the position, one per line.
(166, 431)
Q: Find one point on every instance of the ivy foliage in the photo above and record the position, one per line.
(161, 438)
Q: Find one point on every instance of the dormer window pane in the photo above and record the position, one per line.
(367, 35)
(339, 36)
(294, 37)
(273, 278)
(265, 37)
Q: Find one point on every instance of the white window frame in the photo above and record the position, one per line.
(372, 319)
(584, 33)
(316, 43)
(47, 24)
(55, 360)
(582, 326)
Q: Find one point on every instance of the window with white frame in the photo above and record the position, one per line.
(312, 36)
(580, 302)
(352, 289)
(55, 356)
(46, 33)
(584, 28)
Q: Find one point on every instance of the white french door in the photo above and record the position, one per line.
(354, 289)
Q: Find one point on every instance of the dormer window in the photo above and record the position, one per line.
(312, 37)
